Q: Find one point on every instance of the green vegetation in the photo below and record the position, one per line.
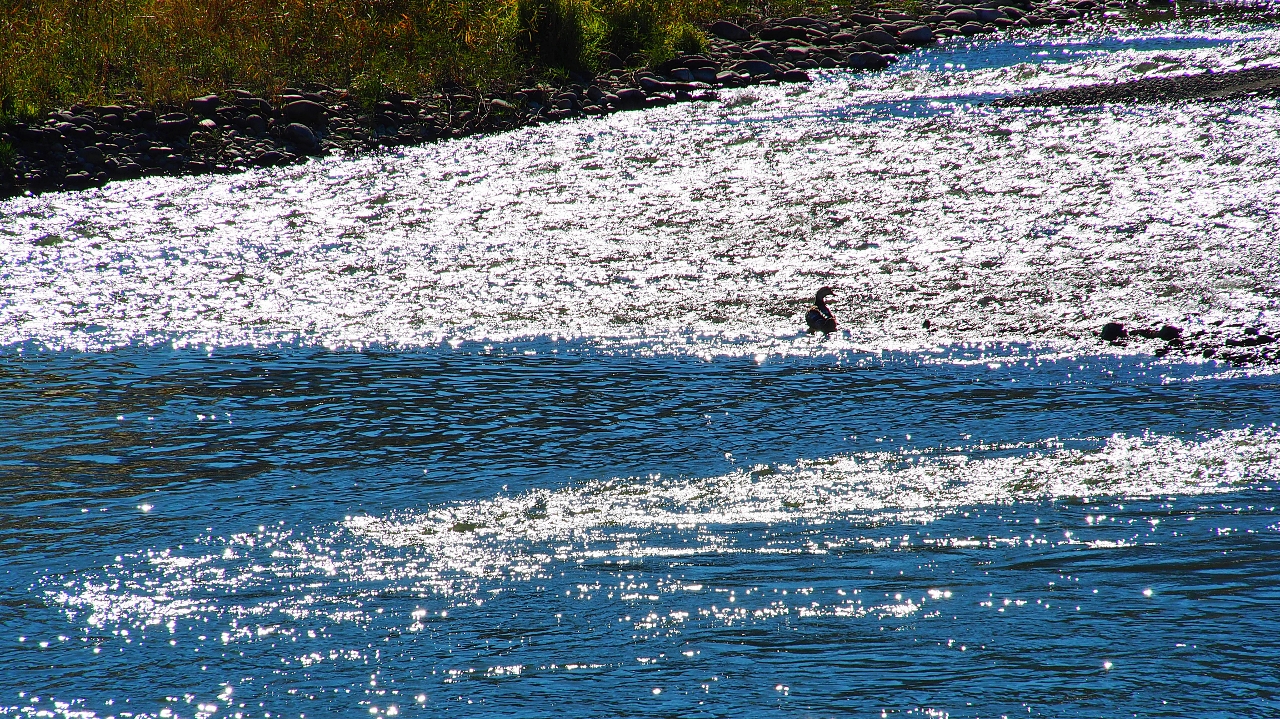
(8, 155)
(57, 52)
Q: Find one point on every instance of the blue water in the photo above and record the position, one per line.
(270, 451)
(268, 448)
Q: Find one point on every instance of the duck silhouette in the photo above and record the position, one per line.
(820, 318)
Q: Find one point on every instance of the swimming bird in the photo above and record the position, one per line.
(819, 317)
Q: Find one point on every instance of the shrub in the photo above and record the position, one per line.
(632, 27)
(8, 155)
(552, 31)
(688, 39)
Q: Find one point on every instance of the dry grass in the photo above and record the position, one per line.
(57, 52)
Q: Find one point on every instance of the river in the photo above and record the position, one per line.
(526, 425)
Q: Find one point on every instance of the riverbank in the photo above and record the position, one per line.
(84, 146)
(1252, 82)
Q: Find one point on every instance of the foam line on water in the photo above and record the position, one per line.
(458, 551)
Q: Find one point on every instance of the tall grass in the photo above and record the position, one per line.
(56, 52)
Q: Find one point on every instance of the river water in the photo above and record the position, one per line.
(525, 425)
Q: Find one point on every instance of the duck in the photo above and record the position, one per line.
(820, 318)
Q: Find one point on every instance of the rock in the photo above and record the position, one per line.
(1112, 331)
(795, 54)
(971, 28)
(629, 97)
(867, 60)
(207, 124)
(649, 84)
(863, 19)
(269, 158)
(961, 16)
(706, 74)
(843, 38)
(142, 117)
(204, 106)
(92, 154)
(784, 32)
(762, 53)
(794, 76)
(256, 124)
(754, 68)
(682, 74)
(990, 14)
(876, 37)
(918, 35)
(305, 111)
(801, 21)
(301, 134)
(728, 77)
(1169, 333)
(728, 31)
(611, 61)
(254, 104)
(175, 122)
(693, 62)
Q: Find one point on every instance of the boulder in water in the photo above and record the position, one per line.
(1113, 331)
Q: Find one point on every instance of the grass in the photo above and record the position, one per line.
(59, 52)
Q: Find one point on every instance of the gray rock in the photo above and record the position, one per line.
(301, 134)
(876, 37)
(305, 111)
(630, 97)
(728, 77)
(256, 124)
(682, 74)
(784, 32)
(990, 14)
(754, 68)
(254, 104)
(918, 35)
(204, 106)
(729, 31)
(91, 154)
(175, 122)
(971, 28)
(762, 53)
(794, 76)
(649, 84)
(795, 54)
(705, 74)
(863, 19)
(961, 16)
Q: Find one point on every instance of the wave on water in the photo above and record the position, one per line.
(457, 552)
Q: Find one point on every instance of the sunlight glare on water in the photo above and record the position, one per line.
(708, 219)
(526, 424)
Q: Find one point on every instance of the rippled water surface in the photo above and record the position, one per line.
(524, 425)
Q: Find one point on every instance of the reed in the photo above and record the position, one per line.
(59, 52)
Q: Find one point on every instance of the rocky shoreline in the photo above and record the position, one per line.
(235, 130)
(1254, 82)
